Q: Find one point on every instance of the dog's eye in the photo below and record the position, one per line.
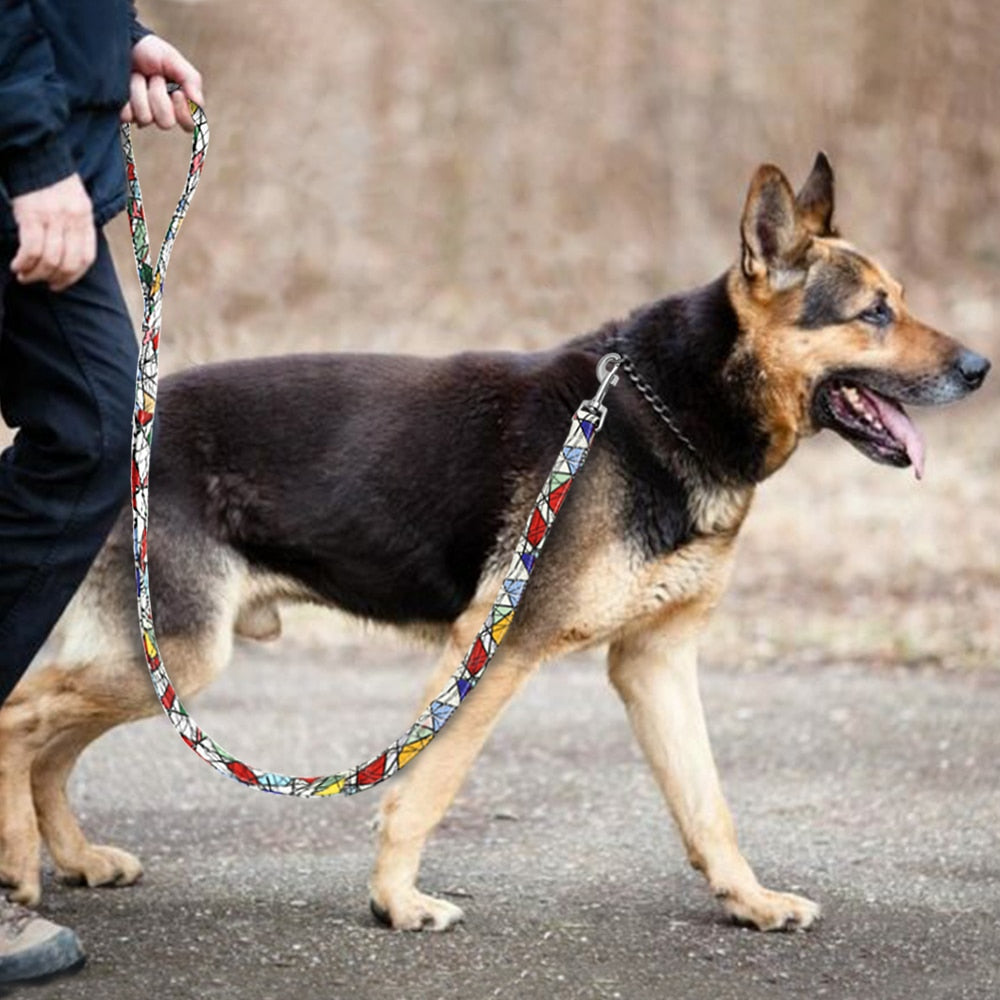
(880, 314)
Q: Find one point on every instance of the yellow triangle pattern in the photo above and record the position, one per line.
(412, 749)
(333, 789)
(499, 629)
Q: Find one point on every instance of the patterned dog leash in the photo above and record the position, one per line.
(585, 424)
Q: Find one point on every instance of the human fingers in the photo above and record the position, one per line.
(176, 67)
(139, 100)
(31, 239)
(182, 111)
(160, 103)
(78, 255)
(49, 260)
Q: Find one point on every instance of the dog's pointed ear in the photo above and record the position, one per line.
(773, 237)
(814, 201)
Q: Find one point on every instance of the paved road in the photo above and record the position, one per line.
(877, 793)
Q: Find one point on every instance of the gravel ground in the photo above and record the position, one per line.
(871, 790)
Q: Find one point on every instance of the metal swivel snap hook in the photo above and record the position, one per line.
(607, 374)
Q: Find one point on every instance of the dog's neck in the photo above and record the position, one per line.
(685, 347)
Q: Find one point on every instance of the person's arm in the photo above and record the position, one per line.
(33, 106)
(55, 224)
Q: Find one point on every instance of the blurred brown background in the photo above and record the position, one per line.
(438, 175)
(434, 175)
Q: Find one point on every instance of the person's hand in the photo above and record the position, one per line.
(154, 63)
(56, 234)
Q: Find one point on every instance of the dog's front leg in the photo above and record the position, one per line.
(419, 796)
(656, 676)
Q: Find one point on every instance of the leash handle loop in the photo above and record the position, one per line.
(583, 429)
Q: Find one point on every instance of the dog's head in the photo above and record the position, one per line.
(828, 330)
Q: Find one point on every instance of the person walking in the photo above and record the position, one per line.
(69, 72)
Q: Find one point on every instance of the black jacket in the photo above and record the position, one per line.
(64, 76)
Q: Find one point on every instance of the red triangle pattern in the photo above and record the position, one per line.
(241, 771)
(373, 772)
(557, 496)
(536, 529)
(478, 658)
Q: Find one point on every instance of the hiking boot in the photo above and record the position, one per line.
(32, 948)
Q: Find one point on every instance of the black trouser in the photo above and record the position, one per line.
(67, 367)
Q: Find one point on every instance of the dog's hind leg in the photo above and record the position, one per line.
(418, 798)
(90, 706)
(77, 861)
(99, 682)
(89, 709)
(20, 843)
(656, 676)
(51, 716)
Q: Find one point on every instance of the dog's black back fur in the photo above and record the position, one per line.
(399, 535)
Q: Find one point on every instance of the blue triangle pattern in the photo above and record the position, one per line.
(573, 458)
(276, 780)
(528, 560)
(440, 713)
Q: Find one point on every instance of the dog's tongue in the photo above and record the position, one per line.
(902, 428)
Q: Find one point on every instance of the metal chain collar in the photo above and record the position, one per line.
(607, 373)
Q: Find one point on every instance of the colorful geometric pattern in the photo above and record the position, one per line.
(586, 422)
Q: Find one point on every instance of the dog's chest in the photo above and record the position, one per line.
(719, 511)
(698, 571)
(698, 568)
(694, 574)
(619, 587)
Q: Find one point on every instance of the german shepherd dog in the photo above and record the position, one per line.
(395, 488)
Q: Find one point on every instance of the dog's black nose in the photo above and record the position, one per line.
(972, 367)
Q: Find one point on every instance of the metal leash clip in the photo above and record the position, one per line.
(607, 374)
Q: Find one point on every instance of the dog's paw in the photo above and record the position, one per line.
(20, 871)
(771, 911)
(415, 911)
(101, 865)
(26, 889)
